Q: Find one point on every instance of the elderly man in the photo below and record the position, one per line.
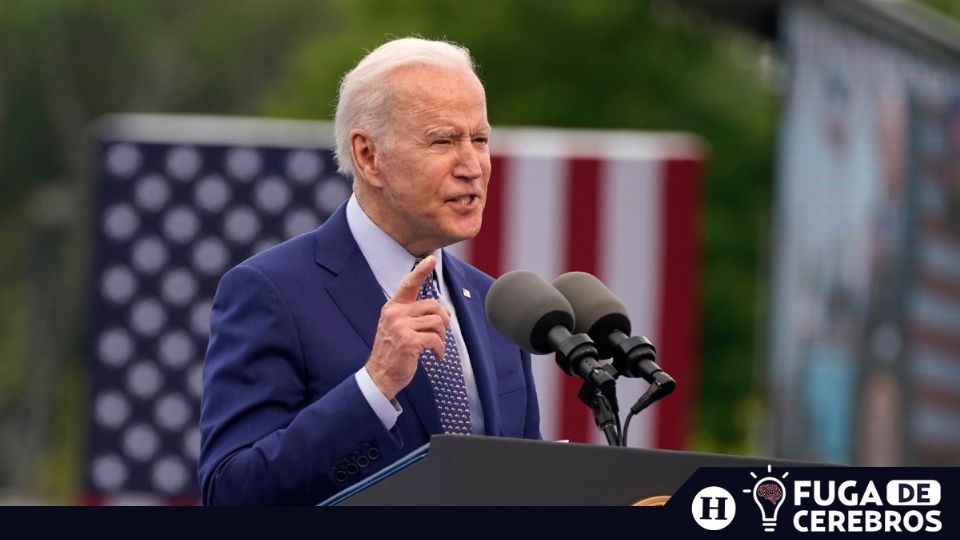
(341, 350)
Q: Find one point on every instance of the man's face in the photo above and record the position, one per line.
(435, 166)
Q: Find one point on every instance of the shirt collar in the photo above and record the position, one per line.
(389, 260)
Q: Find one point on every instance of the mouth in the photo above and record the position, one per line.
(466, 202)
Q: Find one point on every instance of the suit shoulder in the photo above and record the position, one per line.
(280, 261)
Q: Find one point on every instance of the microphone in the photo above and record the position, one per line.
(526, 309)
(599, 314)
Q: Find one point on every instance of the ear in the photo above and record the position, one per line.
(364, 153)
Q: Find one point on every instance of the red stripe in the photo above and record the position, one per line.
(937, 454)
(679, 343)
(582, 253)
(486, 250)
(90, 499)
(944, 287)
(99, 499)
(936, 395)
(936, 338)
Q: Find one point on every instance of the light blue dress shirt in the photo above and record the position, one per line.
(390, 263)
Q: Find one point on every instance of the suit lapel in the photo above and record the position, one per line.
(359, 297)
(356, 292)
(473, 326)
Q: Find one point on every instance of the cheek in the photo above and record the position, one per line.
(487, 168)
(410, 188)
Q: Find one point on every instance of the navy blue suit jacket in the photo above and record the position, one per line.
(282, 418)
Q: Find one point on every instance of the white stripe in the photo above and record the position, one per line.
(935, 311)
(594, 144)
(931, 366)
(936, 426)
(940, 258)
(204, 129)
(630, 236)
(534, 210)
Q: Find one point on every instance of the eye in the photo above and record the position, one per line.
(480, 140)
(440, 141)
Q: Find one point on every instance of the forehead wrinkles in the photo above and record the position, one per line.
(420, 90)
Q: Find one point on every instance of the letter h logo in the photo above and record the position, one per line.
(713, 508)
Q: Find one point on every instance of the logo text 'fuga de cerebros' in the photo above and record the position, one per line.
(848, 505)
(901, 506)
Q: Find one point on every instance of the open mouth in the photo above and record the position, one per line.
(465, 200)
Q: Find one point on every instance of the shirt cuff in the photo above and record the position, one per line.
(386, 410)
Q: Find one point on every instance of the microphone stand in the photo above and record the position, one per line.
(577, 354)
(606, 411)
(636, 357)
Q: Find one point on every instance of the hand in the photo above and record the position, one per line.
(407, 326)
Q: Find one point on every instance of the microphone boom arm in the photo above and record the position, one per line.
(576, 354)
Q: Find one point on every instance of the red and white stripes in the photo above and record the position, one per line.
(624, 207)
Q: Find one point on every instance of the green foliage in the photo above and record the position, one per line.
(62, 468)
(13, 323)
(950, 8)
(64, 63)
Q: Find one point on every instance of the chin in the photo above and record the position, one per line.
(453, 229)
(469, 230)
(459, 234)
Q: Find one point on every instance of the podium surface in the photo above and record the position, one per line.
(474, 470)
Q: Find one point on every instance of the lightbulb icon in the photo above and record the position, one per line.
(769, 494)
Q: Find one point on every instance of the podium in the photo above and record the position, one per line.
(455, 470)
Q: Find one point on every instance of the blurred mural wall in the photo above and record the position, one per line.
(864, 361)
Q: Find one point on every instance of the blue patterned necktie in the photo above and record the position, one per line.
(446, 375)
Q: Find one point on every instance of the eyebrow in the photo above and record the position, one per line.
(455, 133)
(444, 133)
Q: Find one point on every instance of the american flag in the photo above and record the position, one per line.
(622, 206)
(933, 312)
(183, 199)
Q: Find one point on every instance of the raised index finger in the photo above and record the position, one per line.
(410, 286)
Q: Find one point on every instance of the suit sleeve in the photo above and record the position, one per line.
(531, 428)
(262, 443)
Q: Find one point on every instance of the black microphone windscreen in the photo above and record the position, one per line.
(524, 307)
(598, 311)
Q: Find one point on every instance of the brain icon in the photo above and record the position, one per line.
(770, 492)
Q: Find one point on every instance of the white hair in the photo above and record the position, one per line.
(364, 95)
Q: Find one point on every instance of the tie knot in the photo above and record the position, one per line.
(428, 289)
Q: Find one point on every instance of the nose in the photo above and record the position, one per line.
(468, 162)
